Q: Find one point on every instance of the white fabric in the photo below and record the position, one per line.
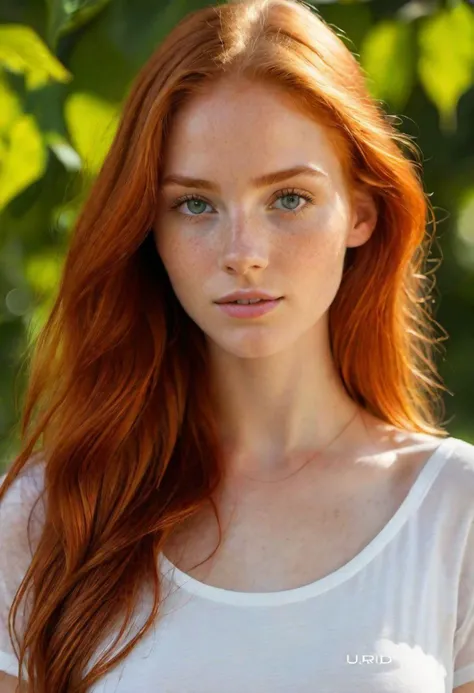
(397, 618)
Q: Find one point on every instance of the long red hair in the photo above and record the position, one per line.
(118, 409)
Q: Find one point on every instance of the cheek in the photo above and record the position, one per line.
(318, 244)
(301, 250)
(313, 261)
(184, 258)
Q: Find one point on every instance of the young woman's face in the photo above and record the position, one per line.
(287, 238)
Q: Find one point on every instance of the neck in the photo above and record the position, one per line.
(274, 409)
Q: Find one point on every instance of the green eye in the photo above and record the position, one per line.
(193, 200)
(196, 202)
(295, 198)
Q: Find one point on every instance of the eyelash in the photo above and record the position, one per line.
(310, 199)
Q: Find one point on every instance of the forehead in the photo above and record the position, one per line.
(241, 126)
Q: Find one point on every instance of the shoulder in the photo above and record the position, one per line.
(458, 468)
(27, 485)
(460, 450)
(451, 496)
(22, 508)
(21, 523)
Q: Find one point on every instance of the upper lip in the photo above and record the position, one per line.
(245, 295)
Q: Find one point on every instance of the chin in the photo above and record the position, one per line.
(251, 346)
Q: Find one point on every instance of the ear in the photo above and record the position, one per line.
(363, 219)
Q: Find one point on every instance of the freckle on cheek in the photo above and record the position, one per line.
(195, 244)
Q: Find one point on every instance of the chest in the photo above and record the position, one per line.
(367, 634)
(279, 539)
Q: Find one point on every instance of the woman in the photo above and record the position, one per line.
(240, 495)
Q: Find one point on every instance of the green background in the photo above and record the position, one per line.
(65, 68)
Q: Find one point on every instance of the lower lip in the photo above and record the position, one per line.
(251, 310)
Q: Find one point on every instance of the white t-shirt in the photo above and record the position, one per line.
(397, 618)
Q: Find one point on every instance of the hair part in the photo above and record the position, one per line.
(118, 403)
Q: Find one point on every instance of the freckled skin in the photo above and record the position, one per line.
(278, 398)
(243, 237)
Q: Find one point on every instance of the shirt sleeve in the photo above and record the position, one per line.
(464, 636)
(16, 552)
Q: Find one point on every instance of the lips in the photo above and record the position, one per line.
(251, 303)
(247, 296)
(246, 311)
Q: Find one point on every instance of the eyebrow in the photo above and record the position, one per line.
(259, 182)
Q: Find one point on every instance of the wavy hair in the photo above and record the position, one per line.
(118, 406)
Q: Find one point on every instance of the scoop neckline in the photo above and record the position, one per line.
(411, 502)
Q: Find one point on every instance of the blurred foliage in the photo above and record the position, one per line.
(65, 68)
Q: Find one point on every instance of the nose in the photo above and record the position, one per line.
(243, 249)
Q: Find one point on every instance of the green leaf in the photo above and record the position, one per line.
(68, 15)
(23, 161)
(388, 57)
(47, 104)
(99, 62)
(446, 59)
(43, 271)
(10, 106)
(22, 50)
(464, 241)
(63, 151)
(92, 123)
